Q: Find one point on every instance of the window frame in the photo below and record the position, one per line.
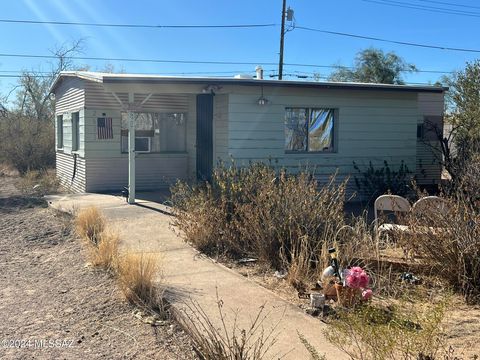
(60, 133)
(309, 108)
(75, 119)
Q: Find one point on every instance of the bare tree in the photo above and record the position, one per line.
(27, 128)
(33, 95)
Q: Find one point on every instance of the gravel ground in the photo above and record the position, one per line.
(53, 306)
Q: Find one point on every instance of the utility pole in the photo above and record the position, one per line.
(288, 15)
(282, 35)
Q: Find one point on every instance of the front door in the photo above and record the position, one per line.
(204, 136)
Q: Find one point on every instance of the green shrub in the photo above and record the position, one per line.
(405, 330)
(374, 181)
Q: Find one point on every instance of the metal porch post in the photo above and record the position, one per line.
(131, 157)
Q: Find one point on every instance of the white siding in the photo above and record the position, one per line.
(153, 171)
(107, 167)
(65, 165)
(69, 95)
(371, 126)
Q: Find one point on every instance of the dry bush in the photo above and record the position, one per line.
(282, 219)
(137, 273)
(27, 142)
(38, 183)
(89, 224)
(227, 342)
(203, 219)
(450, 243)
(403, 330)
(289, 218)
(105, 253)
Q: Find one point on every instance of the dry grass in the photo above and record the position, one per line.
(228, 341)
(89, 224)
(105, 254)
(137, 275)
(38, 182)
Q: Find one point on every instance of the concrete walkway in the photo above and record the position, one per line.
(144, 227)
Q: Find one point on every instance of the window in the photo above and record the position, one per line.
(309, 129)
(75, 131)
(59, 132)
(166, 132)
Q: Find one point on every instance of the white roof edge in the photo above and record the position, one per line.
(87, 75)
(102, 77)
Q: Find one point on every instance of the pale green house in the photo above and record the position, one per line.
(185, 125)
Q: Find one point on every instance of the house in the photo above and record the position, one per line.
(183, 126)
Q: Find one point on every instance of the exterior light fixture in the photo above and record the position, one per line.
(262, 100)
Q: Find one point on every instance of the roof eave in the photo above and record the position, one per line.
(274, 83)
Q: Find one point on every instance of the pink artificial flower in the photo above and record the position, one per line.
(353, 281)
(356, 270)
(367, 294)
(364, 279)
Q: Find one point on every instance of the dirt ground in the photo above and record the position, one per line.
(54, 307)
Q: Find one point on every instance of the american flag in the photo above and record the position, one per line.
(104, 128)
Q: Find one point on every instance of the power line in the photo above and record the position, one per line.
(196, 62)
(144, 26)
(438, 47)
(450, 4)
(434, 9)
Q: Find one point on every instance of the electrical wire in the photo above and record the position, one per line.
(407, 5)
(197, 62)
(387, 40)
(147, 26)
(450, 4)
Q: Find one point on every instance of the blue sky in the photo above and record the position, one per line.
(257, 45)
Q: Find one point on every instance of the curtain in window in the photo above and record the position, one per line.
(320, 130)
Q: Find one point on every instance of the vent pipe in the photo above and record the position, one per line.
(259, 71)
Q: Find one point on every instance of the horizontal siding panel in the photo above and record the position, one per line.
(428, 168)
(328, 99)
(69, 95)
(431, 104)
(97, 97)
(152, 172)
(65, 169)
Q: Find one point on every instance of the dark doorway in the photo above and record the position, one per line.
(204, 136)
